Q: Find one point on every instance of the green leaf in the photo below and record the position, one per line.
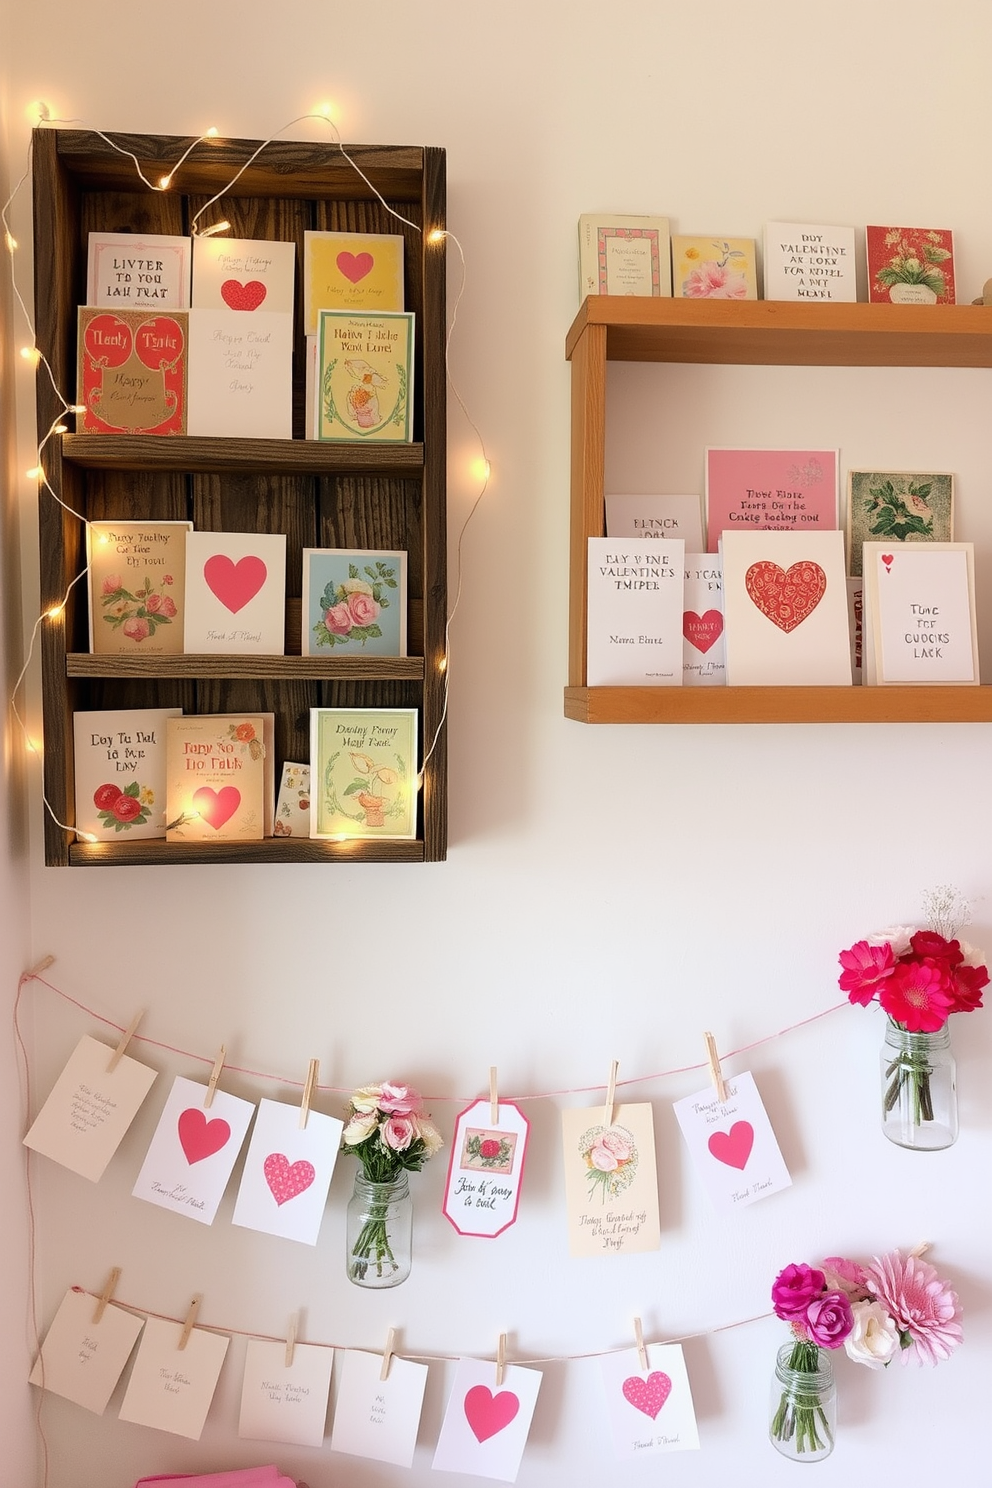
(354, 787)
(392, 584)
(370, 572)
(922, 491)
(885, 522)
(133, 789)
(352, 571)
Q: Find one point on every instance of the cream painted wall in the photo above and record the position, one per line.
(610, 892)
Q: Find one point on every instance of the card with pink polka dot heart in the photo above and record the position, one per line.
(287, 1172)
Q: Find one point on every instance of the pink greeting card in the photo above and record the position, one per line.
(651, 1409)
(482, 1193)
(193, 1151)
(485, 1426)
(759, 490)
(704, 647)
(288, 1172)
(732, 1144)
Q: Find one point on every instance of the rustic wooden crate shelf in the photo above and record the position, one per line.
(319, 668)
(272, 850)
(183, 452)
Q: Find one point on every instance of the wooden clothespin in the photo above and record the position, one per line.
(642, 1353)
(308, 1090)
(500, 1360)
(208, 1099)
(125, 1039)
(387, 1356)
(611, 1094)
(716, 1073)
(43, 965)
(106, 1295)
(493, 1097)
(291, 1329)
(194, 1308)
(921, 1249)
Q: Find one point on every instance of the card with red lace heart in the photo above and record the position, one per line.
(235, 593)
(704, 648)
(785, 607)
(650, 1410)
(220, 777)
(375, 1417)
(287, 1172)
(192, 1154)
(351, 271)
(245, 275)
(485, 1426)
(732, 1144)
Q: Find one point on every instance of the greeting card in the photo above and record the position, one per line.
(650, 1410)
(235, 593)
(193, 1151)
(755, 490)
(809, 262)
(82, 1359)
(243, 275)
(120, 773)
(365, 376)
(351, 271)
(623, 255)
(855, 618)
(714, 269)
(920, 613)
(485, 1426)
(287, 1172)
(171, 1388)
(482, 1194)
(732, 1144)
(220, 772)
(375, 1417)
(136, 582)
(910, 265)
(283, 1402)
(785, 604)
(656, 518)
(704, 651)
(634, 634)
(897, 507)
(354, 602)
(131, 371)
(292, 818)
(311, 379)
(240, 374)
(135, 271)
(363, 772)
(89, 1108)
(611, 1182)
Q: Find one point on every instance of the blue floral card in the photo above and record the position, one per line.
(354, 602)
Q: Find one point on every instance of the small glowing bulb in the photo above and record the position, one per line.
(211, 132)
(442, 665)
(55, 611)
(87, 836)
(103, 539)
(437, 235)
(35, 473)
(76, 408)
(31, 354)
(61, 429)
(37, 111)
(481, 469)
(165, 182)
(218, 227)
(326, 110)
(10, 241)
(419, 782)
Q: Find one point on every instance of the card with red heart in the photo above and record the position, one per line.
(351, 271)
(235, 593)
(220, 775)
(287, 1172)
(193, 1152)
(650, 1410)
(704, 650)
(785, 604)
(486, 1424)
(732, 1144)
(375, 1417)
(245, 275)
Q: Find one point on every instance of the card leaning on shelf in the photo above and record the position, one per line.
(354, 602)
(135, 271)
(363, 772)
(219, 771)
(785, 605)
(351, 271)
(809, 262)
(910, 265)
(235, 593)
(714, 269)
(919, 613)
(131, 371)
(623, 255)
(656, 519)
(240, 374)
(897, 507)
(704, 658)
(365, 377)
(292, 817)
(245, 275)
(768, 490)
(120, 772)
(137, 587)
(634, 633)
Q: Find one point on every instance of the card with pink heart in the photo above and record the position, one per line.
(486, 1424)
(245, 275)
(287, 1172)
(192, 1154)
(704, 651)
(351, 271)
(235, 593)
(732, 1144)
(651, 1409)
(220, 775)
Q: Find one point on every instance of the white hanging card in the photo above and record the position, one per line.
(482, 1194)
(283, 1402)
(378, 1418)
(172, 1388)
(485, 1426)
(650, 1410)
(193, 1151)
(287, 1172)
(732, 1143)
(90, 1107)
(83, 1360)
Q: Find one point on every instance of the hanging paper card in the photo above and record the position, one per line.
(283, 1402)
(83, 1360)
(611, 1182)
(485, 1170)
(89, 1109)
(189, 1162)
(651, 1410)
(378, 1418)
(732, 1144)
(287, 1172)
(171, 1389)
(485, 1426)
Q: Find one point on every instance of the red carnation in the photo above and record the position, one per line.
(927, 943)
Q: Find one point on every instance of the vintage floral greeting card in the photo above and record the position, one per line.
(714, 269)
(482, 1194)
(910, 265)
(363, 767)
(897, 507)
(120, 773)
(292, 818)
(137, 585)
(365, 377)
(611, 1181)
(354, 602)
(623, 255)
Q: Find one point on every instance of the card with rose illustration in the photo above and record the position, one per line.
(897, 506)
(611, 1181)
(120, 772)
(363, 772)
(354, 602)
(137, 583)
(482, 1194)
(714, 268)
(732, 1144)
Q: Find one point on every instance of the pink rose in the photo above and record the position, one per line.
(713, 281)
(794, 1288)
(338, 619)
(398, 1100)
(153, 603)
(602, 1159)
(363, 609)
(111, 583)
(615, 1143)
(846, 1276)
(136, 629)
(168, 606)
(397, 1133)
(167, 579)
(829, 1320)
(489, 1148)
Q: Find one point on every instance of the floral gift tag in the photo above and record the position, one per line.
(732, 1144)
(482, 1193)
(611, 1182)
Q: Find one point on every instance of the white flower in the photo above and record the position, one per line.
(874, 1339)
(897, 936)
(972, 955)
(356, 586)
(359, 1129)
(366, 1097)
(429, 1135)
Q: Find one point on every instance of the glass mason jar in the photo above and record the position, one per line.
(803, 1417)
(380, 1232)
(919, 1096)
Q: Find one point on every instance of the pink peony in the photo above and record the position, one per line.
(846, 1276)
(399, 1100)
(713, 281)
(918, 996)
(398, 1133)
(136, 629)
(865, 966)
(829, 1320)
(111, 583)
(602, 1159)
(794, 1288)
(153, 603)
(923, 1308)
(363, 609)
(614, 1142)
(338, 619)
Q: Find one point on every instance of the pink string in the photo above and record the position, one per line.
(24, 1071)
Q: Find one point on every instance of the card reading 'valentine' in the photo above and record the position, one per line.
(485, 1426)
(288, 1172)
(650, 1410)
(732, 1144)
(193, 1151)
(482, 1193)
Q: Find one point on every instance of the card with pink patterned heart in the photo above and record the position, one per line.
(287, 1172)
(193, 1152)
(351, 271)
(249, 276)
(235, 593)
(486, 1424)
(650, 1410)
(732, 1143)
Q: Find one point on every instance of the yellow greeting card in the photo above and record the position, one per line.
(351, 271)
(714, 269)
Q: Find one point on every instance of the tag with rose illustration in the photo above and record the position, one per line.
(482, 1194)
(611, 1182)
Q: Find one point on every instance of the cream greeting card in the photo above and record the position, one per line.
(704, 650)
(656, 519)
(283, 1402)
(119, 762)
(219, 784)
(287, 1172)
(624, 255)
(485, 1426)
(82, 1359)
(634, 635)
(236, 593)
(292, 817)
(136, 270)
(921, 606)
(807, 261)
(650, 1410)
(732, 1144)
(482, 1193)
(246, 276)
(611, 1182)
(785, 605)
(193, 1151)
(240, 379)
(90, 1107)
(375, 1417)
(171, 1388)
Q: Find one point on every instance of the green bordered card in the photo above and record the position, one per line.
(365, 376)
(363, 772)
